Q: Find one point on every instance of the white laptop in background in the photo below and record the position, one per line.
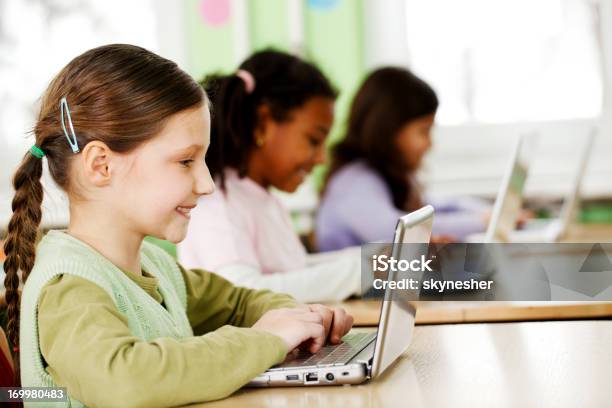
(362, 355)
(508, 204)
(509, 201)
(555, 230)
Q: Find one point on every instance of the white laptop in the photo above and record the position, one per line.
(555, 230)
(510, 196)
(361, 355)
(508, 203)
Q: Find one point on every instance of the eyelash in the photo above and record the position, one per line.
(314, 142)
(186, 163)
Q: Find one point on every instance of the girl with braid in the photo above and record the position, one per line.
(114, 319)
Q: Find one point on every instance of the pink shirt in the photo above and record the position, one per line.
(243, 224)
(245, 235)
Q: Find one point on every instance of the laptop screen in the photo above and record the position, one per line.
(398, 315)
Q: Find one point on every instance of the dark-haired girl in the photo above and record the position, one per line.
(270, 122)
(114, 319)
(371, 181)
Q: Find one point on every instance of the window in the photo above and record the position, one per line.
(499, 61)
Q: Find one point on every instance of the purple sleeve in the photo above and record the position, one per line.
(368, 208)
(458, 224)
(458, 216)
(358, 207)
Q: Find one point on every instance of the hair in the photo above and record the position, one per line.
(118, 94)
(282, 82)
(388, 99)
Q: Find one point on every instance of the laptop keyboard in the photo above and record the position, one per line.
(333, 354)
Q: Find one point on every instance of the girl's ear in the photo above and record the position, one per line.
(262, 125)
(96, 161)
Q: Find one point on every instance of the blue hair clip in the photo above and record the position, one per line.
(64, 109)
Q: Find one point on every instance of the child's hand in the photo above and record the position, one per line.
(301, 325)
(294, 326)
(443, 239)
(524, 216)
(335, 320)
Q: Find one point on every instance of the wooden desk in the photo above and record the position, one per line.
(367, 312)
(601, 233)
(556, 364)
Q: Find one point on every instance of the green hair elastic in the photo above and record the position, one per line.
(37, 152)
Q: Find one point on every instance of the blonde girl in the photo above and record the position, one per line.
(111, 318)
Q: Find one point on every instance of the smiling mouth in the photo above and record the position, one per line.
(184, 211)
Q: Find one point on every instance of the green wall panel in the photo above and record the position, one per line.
(268, 24)
(210, 48)
(334, 41)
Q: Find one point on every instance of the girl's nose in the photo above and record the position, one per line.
(320, 155)
(204, 183)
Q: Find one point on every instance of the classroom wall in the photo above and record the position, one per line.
(328, 33)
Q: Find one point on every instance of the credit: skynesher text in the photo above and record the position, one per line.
(432, 284)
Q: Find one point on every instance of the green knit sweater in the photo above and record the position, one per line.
(114, 341)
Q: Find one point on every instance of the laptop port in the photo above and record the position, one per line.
(330, 377)
(293, 377)
(312, 377)
(345, 373)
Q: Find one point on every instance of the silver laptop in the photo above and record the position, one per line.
(555, 230)
(361, 355)
(509, 200)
